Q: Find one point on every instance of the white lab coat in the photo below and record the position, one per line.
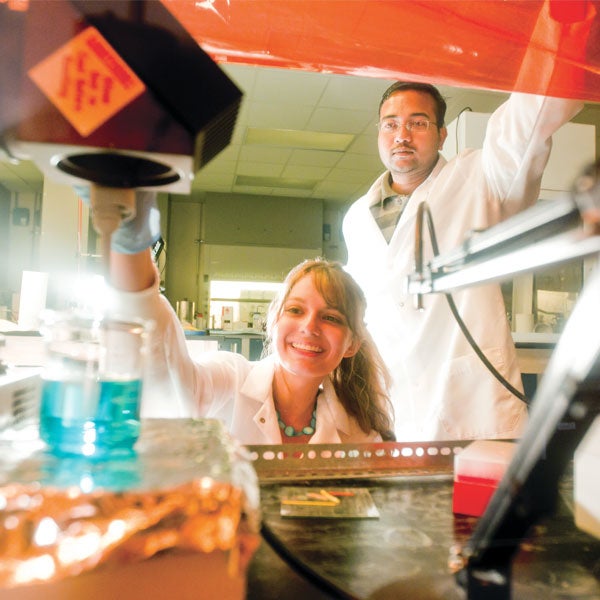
(221, 385)
(441, 390)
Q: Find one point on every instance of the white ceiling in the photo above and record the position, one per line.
(280, 99)
(296, 100)
(22, 177)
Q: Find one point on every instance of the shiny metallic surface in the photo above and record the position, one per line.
(291, 462)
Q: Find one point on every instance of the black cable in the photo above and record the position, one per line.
(301, 567)
(424, 207)
(466, 108)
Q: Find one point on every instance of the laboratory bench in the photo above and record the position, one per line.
(407, 552)
(401, 542)
(248, 343)
(534, 351)
(410, 545)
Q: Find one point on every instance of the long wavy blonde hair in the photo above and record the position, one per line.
(361, 382)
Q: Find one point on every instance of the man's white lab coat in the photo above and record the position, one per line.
(441, 388)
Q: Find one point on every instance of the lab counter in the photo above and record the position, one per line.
(534, 351)
(26, 348)
(408, 551)
(194, 501)
(245, 342)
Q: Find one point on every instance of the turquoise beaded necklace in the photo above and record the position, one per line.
(289, 431)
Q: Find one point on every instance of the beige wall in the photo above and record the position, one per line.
(243, 237)
(47, 242)
(252, 237)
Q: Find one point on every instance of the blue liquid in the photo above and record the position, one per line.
(90, 419)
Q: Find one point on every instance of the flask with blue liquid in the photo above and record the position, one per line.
(91, 383)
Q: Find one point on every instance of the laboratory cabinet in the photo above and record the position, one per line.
(573, 148)
(249, 345)
(235, 237)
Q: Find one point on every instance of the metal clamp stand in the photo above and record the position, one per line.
(568, 397)
(565, 406)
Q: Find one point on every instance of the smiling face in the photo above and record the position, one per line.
(310, 336)
(410, 156)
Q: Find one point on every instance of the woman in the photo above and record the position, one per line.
(321, 380)
(315, 329)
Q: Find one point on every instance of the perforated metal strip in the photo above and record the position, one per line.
(345, 461)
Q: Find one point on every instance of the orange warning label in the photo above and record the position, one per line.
(87, 81)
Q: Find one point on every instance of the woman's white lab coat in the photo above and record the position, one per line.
(441, 388)
(221, 385)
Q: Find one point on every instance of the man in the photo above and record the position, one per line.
(441, 389)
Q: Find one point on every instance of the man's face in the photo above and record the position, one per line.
(410, 155)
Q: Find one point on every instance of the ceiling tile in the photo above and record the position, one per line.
(364, 162)
(304, 101)
(279, 115)
(243, 76)
(289, 87)
(252, 190)
(339, 120)
(257, 153)
(306, 172)
(259, 169)
(325, 158)
(365, 143)
(23, 177)
(346, 91)
(217, 166)
(214, 180)
(284, 182)
(295, 138)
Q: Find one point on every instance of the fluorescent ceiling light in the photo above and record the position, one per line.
(292, 138)
(276, 182)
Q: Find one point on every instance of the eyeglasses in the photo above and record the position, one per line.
(393, 125)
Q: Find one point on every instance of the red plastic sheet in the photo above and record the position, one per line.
(549, 47)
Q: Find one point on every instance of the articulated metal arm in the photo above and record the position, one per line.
(568, 398)
(549, 233)
(565, 405)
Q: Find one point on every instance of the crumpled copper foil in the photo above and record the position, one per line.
(48, 532)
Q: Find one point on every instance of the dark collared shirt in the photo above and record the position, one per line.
(387, 212)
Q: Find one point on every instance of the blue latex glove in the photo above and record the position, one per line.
(143, 230)
(139, 233)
